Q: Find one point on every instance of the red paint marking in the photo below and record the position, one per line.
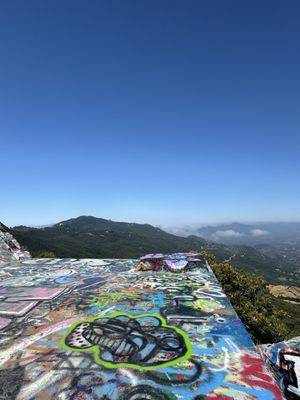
(180, 377)
(254, 374)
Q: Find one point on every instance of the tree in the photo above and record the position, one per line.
(45, 254)
(252, 301)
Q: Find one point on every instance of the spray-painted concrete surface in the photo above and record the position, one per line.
(283, 359)
(123, 330)
(10, 248)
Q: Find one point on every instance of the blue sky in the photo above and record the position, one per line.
(167, 112)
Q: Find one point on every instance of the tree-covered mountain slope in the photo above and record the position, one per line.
(96, 237)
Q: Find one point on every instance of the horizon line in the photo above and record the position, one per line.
(165, 225)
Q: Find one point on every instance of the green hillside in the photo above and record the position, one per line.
(92, 237)
(262, 315)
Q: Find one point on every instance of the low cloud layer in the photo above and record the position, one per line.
(258, 232)
(230, 233)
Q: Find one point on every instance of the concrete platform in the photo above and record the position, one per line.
(118, 329)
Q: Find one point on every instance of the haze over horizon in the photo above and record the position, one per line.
(156, 112)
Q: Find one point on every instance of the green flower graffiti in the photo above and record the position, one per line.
(121, 340)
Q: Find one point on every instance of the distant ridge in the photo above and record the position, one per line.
(88, 236)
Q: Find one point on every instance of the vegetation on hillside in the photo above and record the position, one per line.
(291, 316)
(253, 302)
(90, 237)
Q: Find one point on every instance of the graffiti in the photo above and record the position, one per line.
(289, 361)
(283, 360)
(254, 374)
(10, 248)
(174, 263)
(184, 261)
(188, 308)
(17, 303)
(10, 382)
(194, 371)
(143, 392)
(149, 265)
(89, 329)
(123, 340)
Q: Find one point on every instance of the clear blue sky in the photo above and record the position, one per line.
(167, 112)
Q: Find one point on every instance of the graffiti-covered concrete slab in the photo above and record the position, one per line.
(283, 359)
(10, 248)
(159, 328)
